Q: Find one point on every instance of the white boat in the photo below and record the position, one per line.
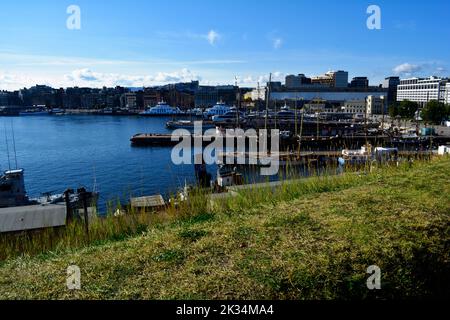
(354, 157)
(160, 110)
(367, 154)
(219, 109)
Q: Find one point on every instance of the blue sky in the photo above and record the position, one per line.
(136, 43)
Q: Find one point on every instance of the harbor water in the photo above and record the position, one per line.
(72, 151)
(60, 152)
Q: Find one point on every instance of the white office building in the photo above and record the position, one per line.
(371, 105)
(447, 93)
(422, 90)
(356, 107)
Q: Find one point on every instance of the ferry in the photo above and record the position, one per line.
(160, 110)
(219, 109)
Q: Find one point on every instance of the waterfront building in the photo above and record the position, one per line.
(4, 101)
(422, 90)
(334, 79)
(275, 86)
(256, 94)
(376, 104)
(295, 82)
(371, 104)
(38, 95)
(130, 100)
(332, 95)
(207, 96)
(391, 84)
(356, 107)
(359, 82)
(317, 105)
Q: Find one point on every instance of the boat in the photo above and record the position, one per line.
(12, 189)
(229, 116)
(196, 112)
(188, 124)
(35, 112)
(355, 157)
(227, 176)
(220, 108)
(108, 111)
(57, 111)
(13, 193)
(366, 155)
(160, 110)
(285, 113)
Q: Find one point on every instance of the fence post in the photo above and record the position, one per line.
(69, 212)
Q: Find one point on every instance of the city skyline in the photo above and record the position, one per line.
(214, 43)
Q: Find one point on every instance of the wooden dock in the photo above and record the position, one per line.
(148, 202)
(165, 140)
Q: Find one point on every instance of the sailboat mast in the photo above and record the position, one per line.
(238, 102)
(267, 101)
(14, 144)
(7, 149)
(295, 116)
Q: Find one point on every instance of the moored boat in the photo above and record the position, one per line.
(160, 110)
(189, 125)
(220, 108)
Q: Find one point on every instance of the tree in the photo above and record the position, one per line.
(434, 112)
(393, 110)
(407, 109)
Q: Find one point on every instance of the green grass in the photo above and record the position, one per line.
(312, 239)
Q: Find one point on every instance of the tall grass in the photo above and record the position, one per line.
(135, 222)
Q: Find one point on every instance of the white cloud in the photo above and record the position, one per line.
(184, 75)
(13, 81)
(407, 69)
(87, 77)
(252, 80)
(277, 42)
(212, 37)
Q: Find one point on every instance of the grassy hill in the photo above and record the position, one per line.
(308, 240)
